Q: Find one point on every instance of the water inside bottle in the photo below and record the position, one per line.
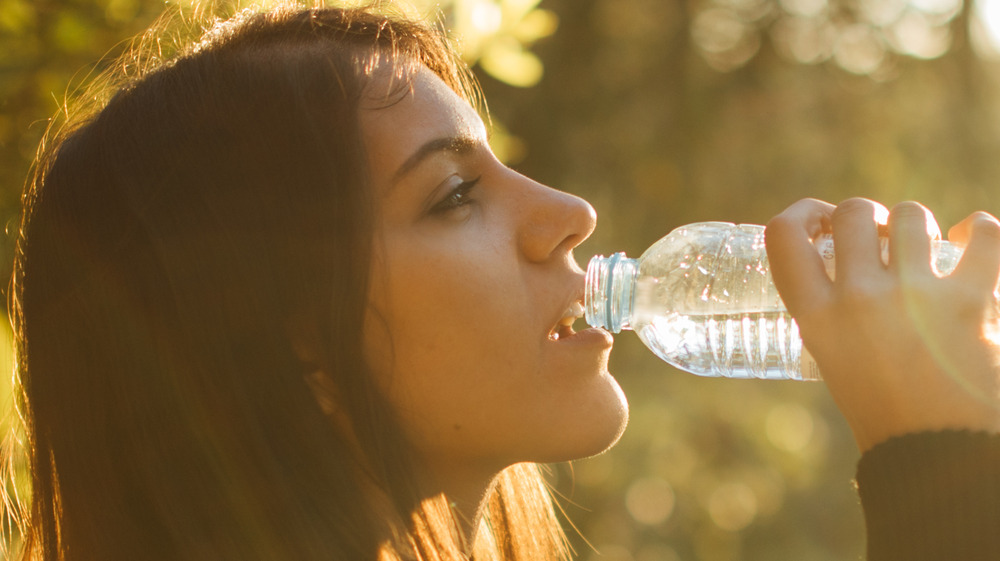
(725, 330)
(760, 344)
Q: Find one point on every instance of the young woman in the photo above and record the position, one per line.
(276, 299)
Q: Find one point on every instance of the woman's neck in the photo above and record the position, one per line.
(466, 493)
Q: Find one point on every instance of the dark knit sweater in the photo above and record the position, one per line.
(932, 496)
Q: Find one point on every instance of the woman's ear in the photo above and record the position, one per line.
(324, 391)
(310, 348)
(304, 336)
(306, 342)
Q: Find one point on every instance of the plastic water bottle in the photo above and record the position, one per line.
(702, 299)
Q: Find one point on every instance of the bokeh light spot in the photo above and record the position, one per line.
(789, 427)
(508, 61)
(804, 40)
(486, 17)
(732, 506)
(650, 500)
(804, 8)
(882, 12)
(859, 50)
(726, 40)
(916, 36)
(718, 30)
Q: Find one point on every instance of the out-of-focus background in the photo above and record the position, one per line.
(663, 112)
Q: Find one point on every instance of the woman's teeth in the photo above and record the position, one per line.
(565, 326)
(573, 312)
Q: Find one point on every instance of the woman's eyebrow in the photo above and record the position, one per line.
(457, 144)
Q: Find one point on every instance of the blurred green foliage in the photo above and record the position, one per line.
(662, 113)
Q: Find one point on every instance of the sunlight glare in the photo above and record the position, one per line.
(986, 30)
(486, 17)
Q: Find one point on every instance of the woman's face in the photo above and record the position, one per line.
(472, 278)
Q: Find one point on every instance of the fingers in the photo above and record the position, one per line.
(911, 229)
(980, 264)
(796, 266)
(960, 233)
(856, 223)
(855, 235)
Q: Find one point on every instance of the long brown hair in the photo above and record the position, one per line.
(173, 237)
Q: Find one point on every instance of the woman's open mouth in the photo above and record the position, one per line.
(564, 328)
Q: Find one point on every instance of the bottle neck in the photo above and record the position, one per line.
(610, 291)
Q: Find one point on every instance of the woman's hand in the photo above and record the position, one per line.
(901, 349)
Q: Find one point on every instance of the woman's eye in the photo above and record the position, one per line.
(456, 198)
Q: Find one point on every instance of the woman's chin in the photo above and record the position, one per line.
(611, 429)
(594, 432)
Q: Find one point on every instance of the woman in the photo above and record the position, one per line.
(276, 299)
(246, 288)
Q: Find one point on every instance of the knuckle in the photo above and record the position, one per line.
(814, 312)
(854, 206)
(986, 226)
(859, 297)
(810, 203)
(982, 214)
(919, 290)
(967, 298)
(812, 315)
(780, 225)
(798, 212)
(965, 306)
(909, 209)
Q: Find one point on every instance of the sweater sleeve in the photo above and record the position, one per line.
(932, 496)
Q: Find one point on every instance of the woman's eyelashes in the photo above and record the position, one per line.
(458, 197)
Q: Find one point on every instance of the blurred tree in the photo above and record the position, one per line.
(859, 37)
(663, 113)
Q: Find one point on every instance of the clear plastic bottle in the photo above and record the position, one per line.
(702, 299)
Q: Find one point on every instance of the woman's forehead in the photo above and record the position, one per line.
(392, 82)
(426, 110)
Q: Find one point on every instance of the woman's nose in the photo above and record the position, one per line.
(552, 222)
